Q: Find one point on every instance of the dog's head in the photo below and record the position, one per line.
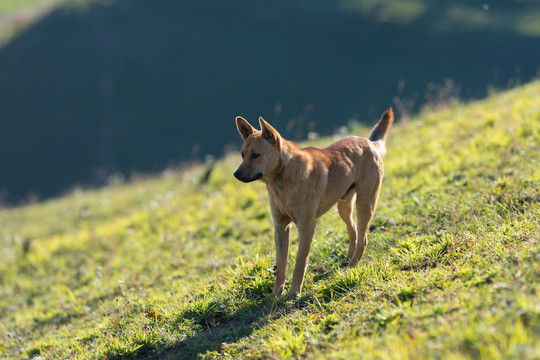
(261, 152)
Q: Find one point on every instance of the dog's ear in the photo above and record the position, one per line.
(269, 133)
(244, 128)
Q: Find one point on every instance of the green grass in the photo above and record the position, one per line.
(518, 17)
(17, 15)
(167, 267)
(11, 6)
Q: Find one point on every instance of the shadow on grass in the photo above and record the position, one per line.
(214, 334)
(231, 317)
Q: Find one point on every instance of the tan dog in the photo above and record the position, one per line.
(303, 183)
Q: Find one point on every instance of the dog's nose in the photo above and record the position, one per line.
(237, 175)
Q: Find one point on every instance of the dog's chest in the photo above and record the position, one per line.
(284, 202)
(299, 205)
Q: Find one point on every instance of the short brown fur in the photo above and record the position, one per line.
(304, 183)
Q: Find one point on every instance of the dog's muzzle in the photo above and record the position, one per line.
(239, 176)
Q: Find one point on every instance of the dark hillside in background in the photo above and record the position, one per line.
(137, 85)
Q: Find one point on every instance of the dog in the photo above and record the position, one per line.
(304, 183)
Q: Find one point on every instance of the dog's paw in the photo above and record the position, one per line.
(292, 296)
(276, 292)
(352, 263)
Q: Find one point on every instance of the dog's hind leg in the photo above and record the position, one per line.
(365, 208)
(345, 209)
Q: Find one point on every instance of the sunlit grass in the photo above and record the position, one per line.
(173, 267)
(449, 17)
(18, 15)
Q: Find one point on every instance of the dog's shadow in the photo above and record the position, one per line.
(218, 326)
(213, 334)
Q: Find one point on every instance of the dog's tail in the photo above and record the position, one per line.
(378, 134)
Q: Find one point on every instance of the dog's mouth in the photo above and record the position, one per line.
(242, 178)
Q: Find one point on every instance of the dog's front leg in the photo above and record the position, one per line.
(305, 234)
(282, 231)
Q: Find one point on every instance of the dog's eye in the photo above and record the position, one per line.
(254, 155)
(242, 154)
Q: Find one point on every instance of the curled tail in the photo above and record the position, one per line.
(378, 134)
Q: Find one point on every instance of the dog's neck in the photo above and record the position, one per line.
(277, 174)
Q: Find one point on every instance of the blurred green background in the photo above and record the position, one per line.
(89, 89)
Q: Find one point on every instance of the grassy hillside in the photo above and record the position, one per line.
(171, 268)
(18, 15)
